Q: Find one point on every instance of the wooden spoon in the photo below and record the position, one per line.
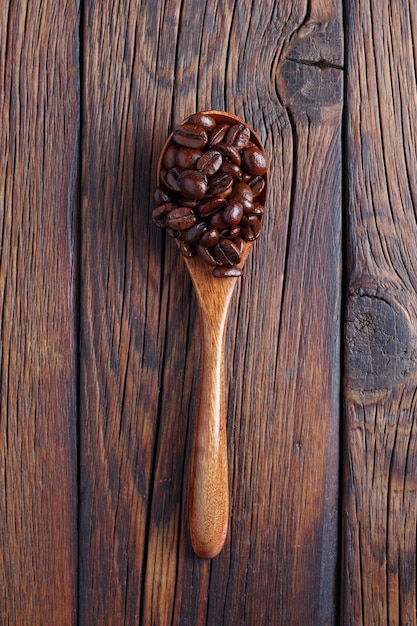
(208, 485)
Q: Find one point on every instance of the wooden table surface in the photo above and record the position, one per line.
(99, 352)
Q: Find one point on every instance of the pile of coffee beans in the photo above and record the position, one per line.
(211, 191)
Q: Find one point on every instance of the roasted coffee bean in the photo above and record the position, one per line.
(220, 185)
(254, 161)
(250, 231)
(170, 157)
(227, 253)
(232, 213)
(231, 251)
(247, 208)
(190, 135)
(230, 233)
(217, 221)
(238, 136)
(218, 134)
(210, 162)
(187, 250)
(188, 202)
(186, 158)
(173, 233)
(209, 206)
(160, 212)
(171, 179)
(210, 238)
(194, 234)
(206, 256)
(250, 219)
(232, 169)
(180, 218)
(227, 272)
(162, 196)
(229, 152)
(193, 184)
(258, 210)
(243, 192)
(204, 120)
(257, 184)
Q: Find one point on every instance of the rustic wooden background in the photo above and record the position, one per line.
(99, 347)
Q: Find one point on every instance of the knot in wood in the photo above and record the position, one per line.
(380, 346)
(309, 77)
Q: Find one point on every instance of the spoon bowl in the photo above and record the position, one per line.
(208, 494)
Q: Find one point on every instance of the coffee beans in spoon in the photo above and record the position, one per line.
(211, 189)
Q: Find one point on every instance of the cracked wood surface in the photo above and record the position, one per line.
(380, 505)
(39, 95)
(99, 328)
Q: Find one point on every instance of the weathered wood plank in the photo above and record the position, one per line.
(123, 315)
(380, 512)
(39, 148)
(146, 67)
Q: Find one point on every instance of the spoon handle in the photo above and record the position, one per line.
(209, 493)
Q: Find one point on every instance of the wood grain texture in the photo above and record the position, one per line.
(39, 149)
(380, 512)
(147, 66)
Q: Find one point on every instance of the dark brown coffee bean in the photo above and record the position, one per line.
(188, 202)
(220, 185)
(187, 250)
(238, 136)
(171, 179)
(160, 212)
(232, 169)
(204, 120)
(231, 250)
(229, 152)
(218, 134)
(190, 135)
(227, 272)
(232, 213)
(230, 233)
(250, 231)
(193, 184)
(254, 161)
(206, 256)
(210, 205)
(173, 233)
(257, 184)
(247, 207)
(186, 158)
(250, 219)
(227, 253)
(170, 157)
(258, 210)
(217, 222)
(243, 194)
(162, 196)
(194, 234)
(210, 162)
(180, 218)
(210, 238)
(243, 191)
